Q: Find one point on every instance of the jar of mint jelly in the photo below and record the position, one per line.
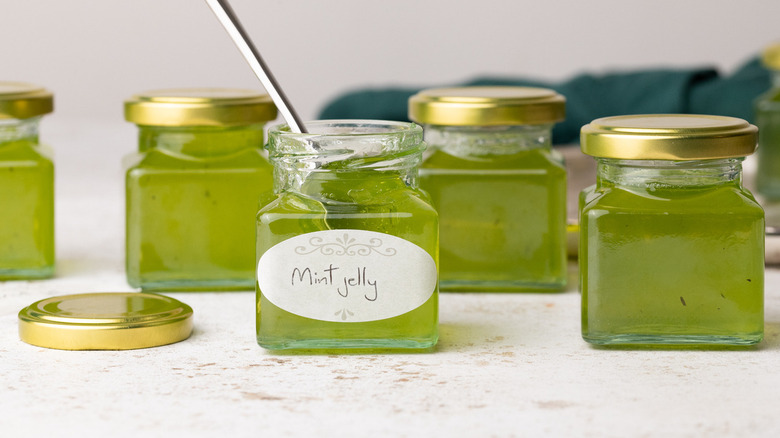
(671, 243)
(497, 184)
(26, 184)
(194, 187)
(767, 109)
(347, 252)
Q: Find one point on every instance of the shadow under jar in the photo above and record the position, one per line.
(194, 187)
(498, 185)
(347, 252)
(26, 184)
(671, 243)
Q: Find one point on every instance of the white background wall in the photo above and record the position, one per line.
(95, 53)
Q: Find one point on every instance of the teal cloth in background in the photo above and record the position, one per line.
(588, 96)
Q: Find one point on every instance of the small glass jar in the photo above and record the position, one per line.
(671, 243)
(26, 184)
(767, 109)
(347, 253)
(194, 187)
(497, 184)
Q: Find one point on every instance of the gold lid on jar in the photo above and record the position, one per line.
(771, 56)
(20, 100)
(105, 321)
(668, 137)
(200, 107)
(487, 106)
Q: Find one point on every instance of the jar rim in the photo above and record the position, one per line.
(668, 137)
(346, 136)
(348, 128)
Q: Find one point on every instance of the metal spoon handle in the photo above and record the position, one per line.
(229, 20)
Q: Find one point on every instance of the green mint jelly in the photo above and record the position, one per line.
(192, 194)
(348, 194)
(768, 121)
(671, 264)
(26, 203)
(502, 219)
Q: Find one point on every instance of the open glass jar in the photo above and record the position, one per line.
(671, 243)
(347, 252)
(497, 184)
(26, 184)
(194, 187)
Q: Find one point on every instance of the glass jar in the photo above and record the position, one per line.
(671, 243)
(194, 186)
(347, 252)
(497, 184)
(26, 184)
(767, 108)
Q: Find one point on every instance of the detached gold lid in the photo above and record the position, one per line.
(105, 321)
(668, 137)
(19, 100)
(771, 56)
(487, 106)
(200, 107)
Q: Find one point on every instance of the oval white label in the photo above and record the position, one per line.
(346, 275)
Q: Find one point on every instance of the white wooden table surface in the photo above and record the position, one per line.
(506, 365)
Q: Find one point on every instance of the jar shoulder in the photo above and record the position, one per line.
(412, 201)
(534, 159)
(26, 151)
(770, 97)
(159, 160)
(725, 199)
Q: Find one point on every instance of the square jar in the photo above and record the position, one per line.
(671, 243)
(498, 185)
(194, 187)
(767, 112)
(347, 252)
(26, 184)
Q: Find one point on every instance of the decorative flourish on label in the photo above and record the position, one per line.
(344, 313)
(345, 245)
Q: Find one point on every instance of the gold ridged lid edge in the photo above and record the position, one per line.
(39, 326)
(200, 107)
(487, 106)
(685, 137)
(22, 100)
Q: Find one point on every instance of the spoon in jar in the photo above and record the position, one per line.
(229, 21)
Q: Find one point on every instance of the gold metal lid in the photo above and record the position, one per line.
(771, 56)
(105, 321)
(20, 100)
(200, 107)
(668, 137)
(487, 105)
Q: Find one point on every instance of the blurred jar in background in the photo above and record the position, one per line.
(26, 184)
(193, 188)
(767, 109)
(497, 184)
